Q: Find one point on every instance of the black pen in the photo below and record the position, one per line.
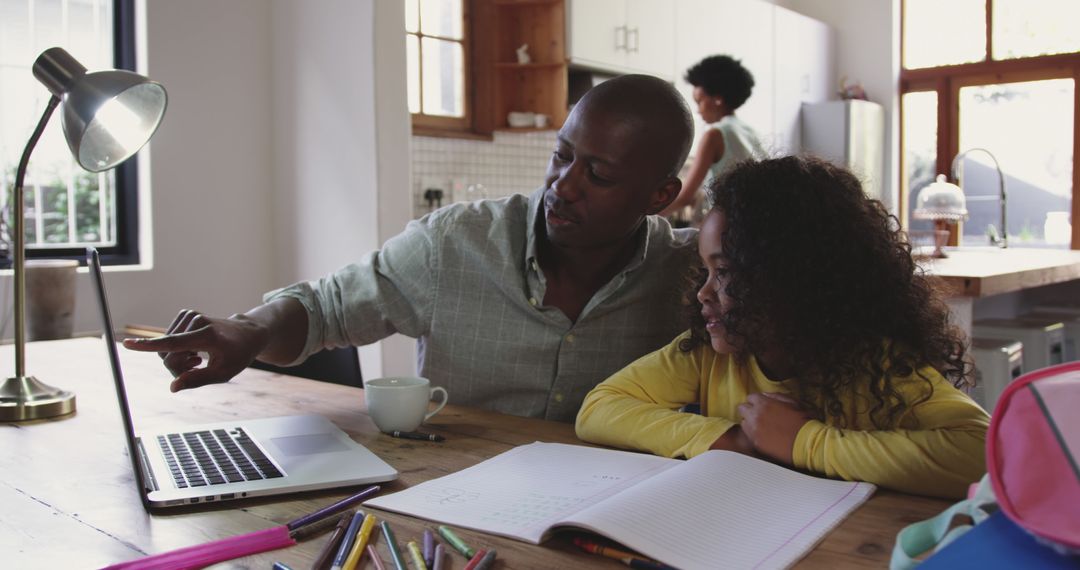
(416, 435)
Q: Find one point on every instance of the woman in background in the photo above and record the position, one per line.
(721, 85)
(815, 343)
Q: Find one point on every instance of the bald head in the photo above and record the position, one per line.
(653, 109)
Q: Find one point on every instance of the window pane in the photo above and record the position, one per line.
(444, 78)
(412, 16)
(1024, 28)
(920, 148)
(442, 18)
(63, 206)
(944, 33)
(1028, 128)
(412, 57)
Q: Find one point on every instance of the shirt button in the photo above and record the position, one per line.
(532, 301)
(570, 338)
(558, 397)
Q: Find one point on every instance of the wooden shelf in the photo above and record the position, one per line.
(524, 129)
(527, 66)
(526, 2)
(502, 84)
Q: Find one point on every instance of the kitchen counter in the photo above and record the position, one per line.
(983, 271)
(972, 273)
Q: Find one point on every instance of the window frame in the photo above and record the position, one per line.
(126, 175)
(441, 126)
(947, 80)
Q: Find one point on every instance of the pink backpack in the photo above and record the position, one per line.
(1033, 453)
(1033, 468)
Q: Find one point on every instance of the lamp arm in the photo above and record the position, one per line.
(1001, 187)
(19, 238)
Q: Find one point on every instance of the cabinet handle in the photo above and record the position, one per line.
(620, 31)
(637, 40)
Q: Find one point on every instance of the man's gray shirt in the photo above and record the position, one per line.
(464, 280)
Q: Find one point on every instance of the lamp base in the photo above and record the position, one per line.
(26, 398)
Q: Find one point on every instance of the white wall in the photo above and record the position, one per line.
(325, 148)
(396, 355)
(266, 168)
(868, 51)
(211, 175)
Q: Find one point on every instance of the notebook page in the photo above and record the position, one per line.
(725, 510)
(524, 491)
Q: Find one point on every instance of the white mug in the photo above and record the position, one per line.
(401, 403)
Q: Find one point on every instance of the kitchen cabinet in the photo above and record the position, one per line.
(742, 29)
(804, 70)
(622, 36)
(790, 56)
(504, 84)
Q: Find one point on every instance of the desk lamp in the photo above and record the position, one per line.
(107, 117)
(943, 203)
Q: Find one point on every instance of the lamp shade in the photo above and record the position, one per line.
(940, 200)
(107, 115)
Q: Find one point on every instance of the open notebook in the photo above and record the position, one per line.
(719, 509)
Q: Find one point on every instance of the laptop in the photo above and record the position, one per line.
(235, 459)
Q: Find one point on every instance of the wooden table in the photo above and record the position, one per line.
(68, 497)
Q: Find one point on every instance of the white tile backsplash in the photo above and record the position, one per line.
(514, 163)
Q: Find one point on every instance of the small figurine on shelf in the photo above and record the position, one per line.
(523, 54)
(852, 90)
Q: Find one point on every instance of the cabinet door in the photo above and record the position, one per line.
(597, 33)
(805, 73)
(742, 29)
(650, 37)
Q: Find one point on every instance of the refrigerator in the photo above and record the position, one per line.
(851, 133)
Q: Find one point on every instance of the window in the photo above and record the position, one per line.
(999, 75)
(67, 208)
(437, 54)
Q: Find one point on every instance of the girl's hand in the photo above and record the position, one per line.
(772, 421)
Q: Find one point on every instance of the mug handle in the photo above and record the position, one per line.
(445, 398)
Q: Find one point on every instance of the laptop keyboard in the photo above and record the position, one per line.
(215, 457)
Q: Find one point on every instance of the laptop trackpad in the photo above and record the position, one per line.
(308, 444)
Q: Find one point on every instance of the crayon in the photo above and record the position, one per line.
(331, 546)
(429, 548)
(347, 541)
(391, 543)
(439, 556)
(417, 435)
(456, 542)
(416, 555)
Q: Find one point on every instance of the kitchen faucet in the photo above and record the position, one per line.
(1002, 240)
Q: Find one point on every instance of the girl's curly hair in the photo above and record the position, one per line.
(824, 274)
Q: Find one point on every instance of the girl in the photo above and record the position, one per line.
(815, 343)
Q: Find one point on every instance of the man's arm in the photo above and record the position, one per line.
(274, 332)
(388, 291)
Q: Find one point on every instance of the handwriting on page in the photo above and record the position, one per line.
(524, 491)
(532, 509)
(451, 496)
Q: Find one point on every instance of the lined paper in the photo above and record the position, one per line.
(718, 510)
(722, 509)
(525, 491)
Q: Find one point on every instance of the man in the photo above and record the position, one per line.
(520, 305)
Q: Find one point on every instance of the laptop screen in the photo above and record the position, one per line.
(93, 261)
